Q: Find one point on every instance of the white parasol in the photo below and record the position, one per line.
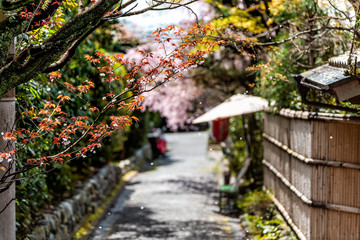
(236, 105)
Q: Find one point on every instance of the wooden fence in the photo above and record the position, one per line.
(311, 166)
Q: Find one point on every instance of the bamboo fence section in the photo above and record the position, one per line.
(311, 165)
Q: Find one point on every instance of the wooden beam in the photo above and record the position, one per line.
(307, 160)
(306, 200)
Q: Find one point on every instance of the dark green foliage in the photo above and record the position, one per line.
(275, 82)
(138, 134)
(250, 127)
(60, 181)
(261, 218)
(237, 135)
(31, 195)
(34, 186)
(256, 202)
(63, 180)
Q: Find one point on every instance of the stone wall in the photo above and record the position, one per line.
(66, 218)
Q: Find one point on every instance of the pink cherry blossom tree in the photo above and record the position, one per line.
(176, 102)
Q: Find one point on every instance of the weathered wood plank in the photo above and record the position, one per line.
(318, 156)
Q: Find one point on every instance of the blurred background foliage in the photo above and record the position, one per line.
(268, 42)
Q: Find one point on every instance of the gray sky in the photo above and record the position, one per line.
(150, 21)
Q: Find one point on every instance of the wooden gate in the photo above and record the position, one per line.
(311, 165)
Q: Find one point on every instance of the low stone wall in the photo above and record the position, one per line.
(66, 218)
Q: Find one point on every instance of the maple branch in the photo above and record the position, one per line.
(59, 48)
(7, 204)
(70, 51)
(28, 26)
(166, 68)
(123, 6)
(46, 12)
(117, 15)
(290, 38)
(15, 24)
(155, 8)
(177, 5)
(181, 5)
(14, 4)
(39, 58)
(7, 183)
(113, 16)
(97, 119)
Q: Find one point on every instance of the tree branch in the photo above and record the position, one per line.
(117, 15)
(7, 204)
(182, 5)
(150, 8)
(13, 26)
(71, 51)
(14, 4)
(290, 38)
(41, 57)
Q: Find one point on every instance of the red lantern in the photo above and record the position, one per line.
(220, 129)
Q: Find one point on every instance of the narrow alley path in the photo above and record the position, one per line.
(175, 200)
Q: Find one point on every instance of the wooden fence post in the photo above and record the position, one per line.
(7, 119)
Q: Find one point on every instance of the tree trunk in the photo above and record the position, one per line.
(7, 119)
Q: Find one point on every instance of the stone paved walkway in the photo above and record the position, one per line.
(175, 200)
